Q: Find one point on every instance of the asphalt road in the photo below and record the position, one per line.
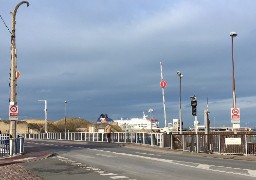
(81, 160)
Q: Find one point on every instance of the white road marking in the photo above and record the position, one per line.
(108, 174)
(105, 155)
(119, 177)
(247, 172)
(252, 172)
(203, 166)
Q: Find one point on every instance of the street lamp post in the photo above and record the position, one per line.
(235, 112)
(180, 112)
(233, 34)
(13, 73)
(45, 115)
(65, 102)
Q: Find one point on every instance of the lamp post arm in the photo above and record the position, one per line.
(14, 13)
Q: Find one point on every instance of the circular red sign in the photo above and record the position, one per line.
(235, 111)
(163, 84)
(13, 108)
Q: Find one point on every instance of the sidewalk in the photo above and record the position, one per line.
(186, 153)
(12, 168)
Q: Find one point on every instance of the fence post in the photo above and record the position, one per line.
(183, 142)
(219, 144)
(246, 144)
(125, 136)
(152, 139)
(171, 141)
(161, 140)
(197, 143)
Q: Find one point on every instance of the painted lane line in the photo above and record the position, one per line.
(97, 170)
(252, 172)
(119, 177)
(109, 174)
(104, 155)
(244, 172)
(203, 166)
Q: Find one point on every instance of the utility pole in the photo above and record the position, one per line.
(13, 108)
(45, 115)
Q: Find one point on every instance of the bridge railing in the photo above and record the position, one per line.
(153, 139)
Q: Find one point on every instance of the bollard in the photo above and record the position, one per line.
(21, 145)
(11, 147)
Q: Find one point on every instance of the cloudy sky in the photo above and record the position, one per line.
(103, 56)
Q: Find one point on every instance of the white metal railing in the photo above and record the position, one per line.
(153, 139)
(214, 143)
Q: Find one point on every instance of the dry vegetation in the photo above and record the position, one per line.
(59, 126)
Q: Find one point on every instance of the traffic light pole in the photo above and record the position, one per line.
(194, 113)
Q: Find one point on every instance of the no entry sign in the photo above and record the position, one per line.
(163, 84)
(235, 115)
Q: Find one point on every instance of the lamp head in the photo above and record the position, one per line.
(233, 34)
(179, 74)
(65, 101)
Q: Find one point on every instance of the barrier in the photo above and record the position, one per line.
(10, 146)
(153, 139)
(216, 142)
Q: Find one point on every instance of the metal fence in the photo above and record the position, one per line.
(243, 143)
(154, 139)
(10, 146)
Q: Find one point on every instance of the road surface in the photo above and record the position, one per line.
(81, 160)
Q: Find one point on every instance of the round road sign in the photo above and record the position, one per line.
(235, 111)
(163, 84)
(13, 109)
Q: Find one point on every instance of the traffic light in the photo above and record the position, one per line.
(194, 110)
(193, 104)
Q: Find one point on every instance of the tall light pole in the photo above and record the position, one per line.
(45, 115)
(65, 102)
(163, 85)
(233, 34)
(180, 113)
(13, 83)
